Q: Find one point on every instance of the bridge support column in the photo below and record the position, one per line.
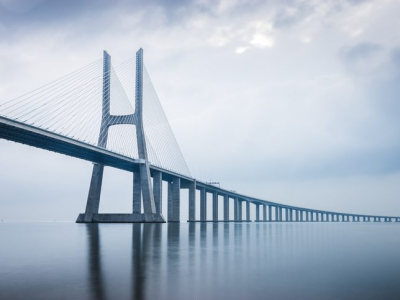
(276, 213)
(203, 205)
(192, 201)
(236, 208)
(257, 212)
(240, 210)
(157, 189)
(215, 206)
(269, 213)
(170, 216)
(176, 199)
(226, 208)
(247, 211)
(137, 194)
(286, 214)
(264, 213)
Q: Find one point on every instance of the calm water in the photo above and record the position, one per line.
(199, 261)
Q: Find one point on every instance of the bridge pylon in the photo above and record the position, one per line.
(142, 184)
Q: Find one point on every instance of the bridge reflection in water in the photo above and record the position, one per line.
(241, 261)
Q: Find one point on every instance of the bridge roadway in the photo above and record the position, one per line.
(26, 134)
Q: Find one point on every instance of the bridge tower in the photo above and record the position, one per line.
(142, 185)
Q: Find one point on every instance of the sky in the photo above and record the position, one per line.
(295, 102)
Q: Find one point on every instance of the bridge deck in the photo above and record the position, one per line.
(26, 134)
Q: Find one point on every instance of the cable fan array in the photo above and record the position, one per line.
(72, 106)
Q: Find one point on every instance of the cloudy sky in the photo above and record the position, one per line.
(291, 101)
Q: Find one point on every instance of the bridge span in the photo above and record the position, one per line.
(146, 164)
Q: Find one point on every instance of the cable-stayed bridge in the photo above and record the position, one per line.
(112, 116)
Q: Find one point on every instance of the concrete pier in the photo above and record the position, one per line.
(257, 212)
(264, 213)
(226, 208)
(236, 209)
(203, 205)
(137, 194)
(192, 201)
(169, 202)
(269, 213)
(215, 206)
(176, 199)
(157, 189)
(240, 210)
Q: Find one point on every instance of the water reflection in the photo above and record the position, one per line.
(94, 264)
(235, 261)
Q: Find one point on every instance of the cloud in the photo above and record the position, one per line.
(361, 51)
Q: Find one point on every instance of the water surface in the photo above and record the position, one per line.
(200, 261)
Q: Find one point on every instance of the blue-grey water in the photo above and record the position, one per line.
(200, 261)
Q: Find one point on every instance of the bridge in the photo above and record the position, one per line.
(111, 116)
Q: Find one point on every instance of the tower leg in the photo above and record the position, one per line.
(93, 201)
